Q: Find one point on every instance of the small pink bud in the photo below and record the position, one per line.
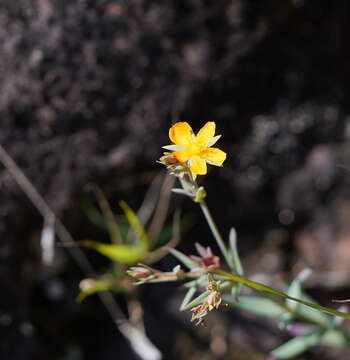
(139, 272)
(168, 159)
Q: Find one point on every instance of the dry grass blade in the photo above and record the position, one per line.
(138, 340)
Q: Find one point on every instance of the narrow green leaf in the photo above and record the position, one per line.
(141, 235)
(256, 305)
(187, 261)
(124, 253)
(198, 300)
(269, 290)
(295, 288)
(189, 295)
(203, 282)
(192, 283)
(296, 346)
(234, 255)
(313, 315)
(235, 261)
(93, 287)
(335, 337)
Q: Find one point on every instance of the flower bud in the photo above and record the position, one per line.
(200, 195)
(138, 272)
(213, 300)
(168, 159)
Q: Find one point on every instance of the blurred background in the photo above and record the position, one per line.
(88, 91)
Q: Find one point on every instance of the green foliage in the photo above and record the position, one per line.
(296, 346)
(313, 315)
(186, 260)
(206, 278)
(266, 289)
(126, 254)
(235, 261)
(256, 305)
(93, 287)
(188, 297)
(198, 300)
(141, 236)
(300, 344)
(334, 337)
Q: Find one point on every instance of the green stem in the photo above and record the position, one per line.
(214, 229)
(210, 220)
(268, 290)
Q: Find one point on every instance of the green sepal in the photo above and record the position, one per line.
(187, 261)
(213, 140)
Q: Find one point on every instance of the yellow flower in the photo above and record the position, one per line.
(196, 149)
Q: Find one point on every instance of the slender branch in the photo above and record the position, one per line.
(210, 220)
(138, 341)
(215, 231)
(161, 210)
(268, 290)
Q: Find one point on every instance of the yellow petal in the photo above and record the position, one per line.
(206, 132)
(181, 134)
(214, 156)
(182, 155)
(198, 166)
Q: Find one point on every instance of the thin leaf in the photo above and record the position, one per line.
(256, 305)
(187, 261)
(295, 288)
(235, 262)
(189, 295)
(124, 253)
(313, 315)
(269, 290)
(198, 300)
(134, 222)
(95, 287)
(335, 337)
(191, 283)
(296, 346)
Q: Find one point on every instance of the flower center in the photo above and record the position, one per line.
(195, 148)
